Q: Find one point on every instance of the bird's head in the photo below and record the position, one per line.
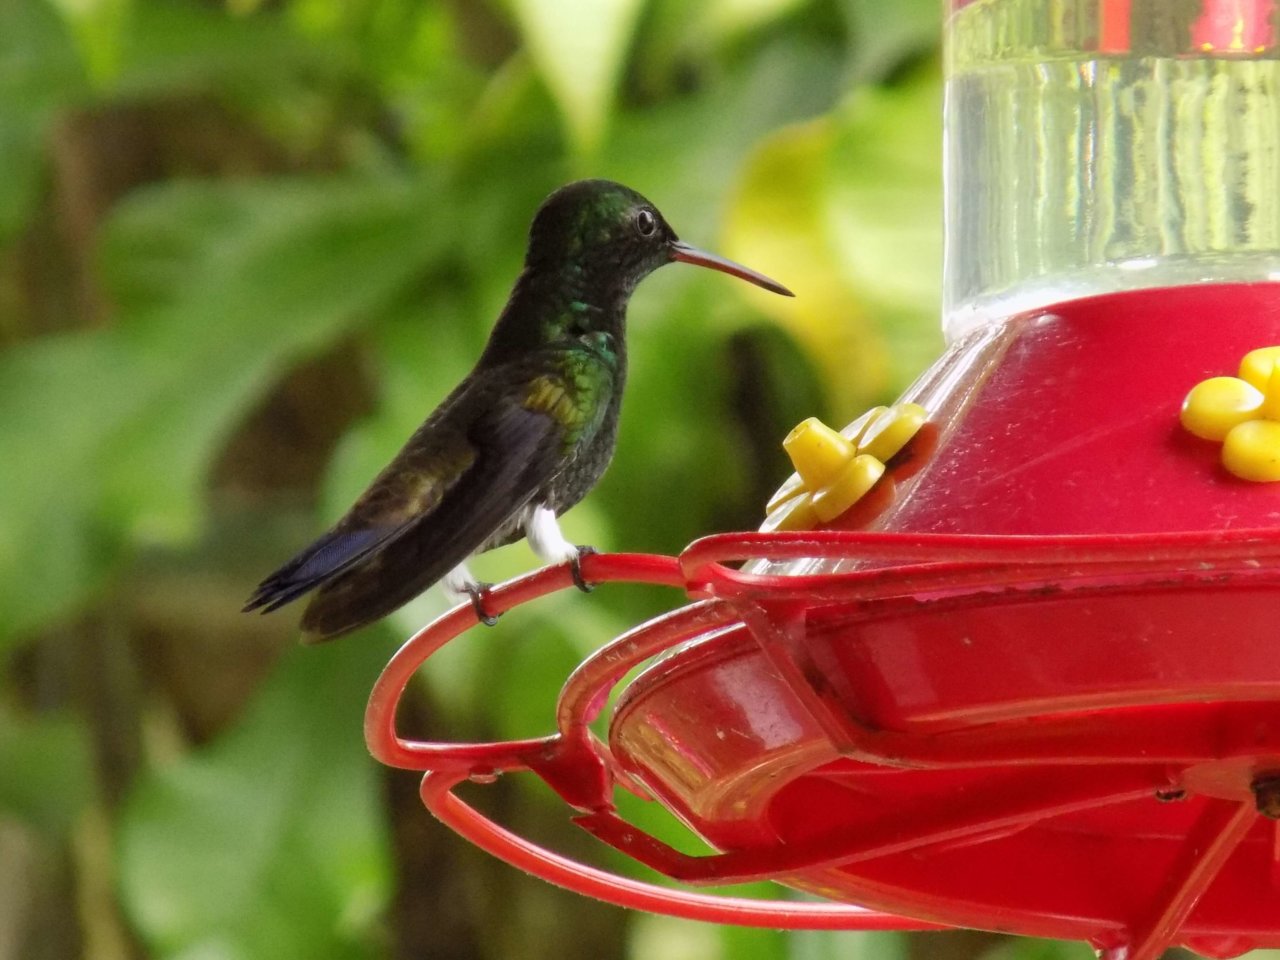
(600, 234)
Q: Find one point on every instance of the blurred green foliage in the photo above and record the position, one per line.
(245, 245)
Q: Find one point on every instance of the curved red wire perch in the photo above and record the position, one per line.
(573, 762)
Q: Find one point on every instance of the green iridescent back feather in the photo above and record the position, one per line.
(576, 388)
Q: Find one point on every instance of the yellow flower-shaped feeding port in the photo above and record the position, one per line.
(836, 469)
(1243, 414)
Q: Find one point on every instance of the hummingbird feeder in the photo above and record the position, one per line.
(1005, 655)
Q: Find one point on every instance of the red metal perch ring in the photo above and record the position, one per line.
(573, 762)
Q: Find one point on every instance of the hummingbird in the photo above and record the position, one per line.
(519, 441)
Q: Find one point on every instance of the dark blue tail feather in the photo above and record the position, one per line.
(321, 561)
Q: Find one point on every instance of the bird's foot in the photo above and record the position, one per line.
(478, 591)
(459, 582)
(543, 531)
(575, 567)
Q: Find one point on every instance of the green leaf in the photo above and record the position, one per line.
(579, 47)
(98, 26)
(38, 72)
(264, 274)
(655, 937)
(882, 43)
(1029, 948)
(60, 399)
(38, 66)
(270, 842)
(827, 945)
(729, 18)
(748, 943)
(178, 47)
(48, 772)
(221, 287)
(687, 154)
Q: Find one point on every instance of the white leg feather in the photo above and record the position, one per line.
(542, 531)
(458, 583)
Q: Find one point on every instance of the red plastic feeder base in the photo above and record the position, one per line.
(1039, 697)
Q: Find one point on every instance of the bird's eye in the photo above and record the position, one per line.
(646, 222)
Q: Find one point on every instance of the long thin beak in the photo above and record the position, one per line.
(686, 254)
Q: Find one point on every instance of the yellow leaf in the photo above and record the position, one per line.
(777, 223)
(846, 210)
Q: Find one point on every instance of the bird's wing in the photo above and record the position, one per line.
(465, 475)
(520, 443)
(414, 484)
